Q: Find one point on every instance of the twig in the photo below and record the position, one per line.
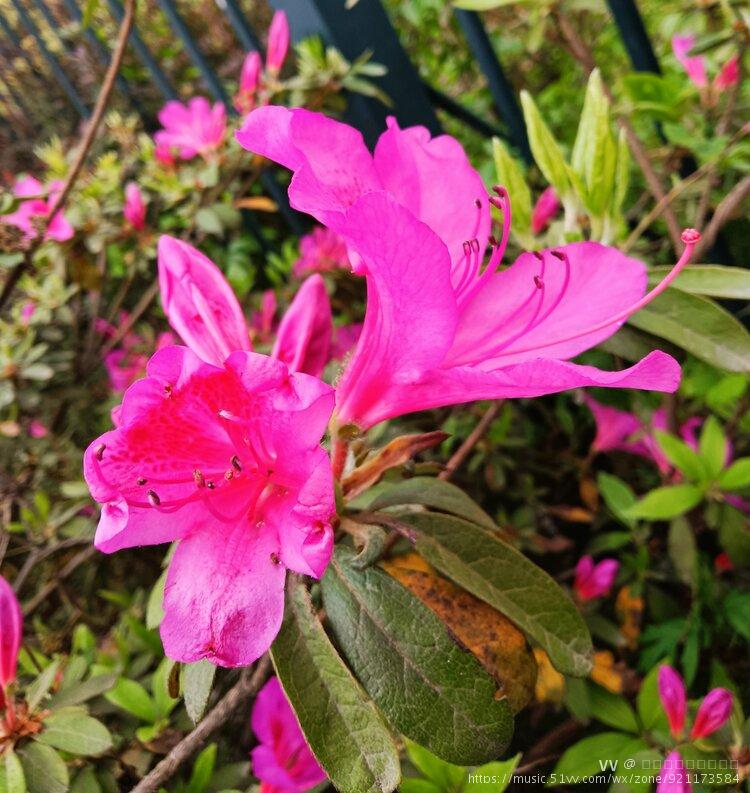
(48, 589)
(722, 214)
(465, 448)
(88, 139)
(247, 686)
(37, 555)
(581, 52)
(133, 317)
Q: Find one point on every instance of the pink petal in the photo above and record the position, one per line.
(728, 75)
(434, 179)
(613, 427)
(673, 778)
(673, 699)
(224, 595)
(546, 207)
(199, 303)
(11, 630)
(695, 67)
(303, 340)
(28, 187)
(713, 713)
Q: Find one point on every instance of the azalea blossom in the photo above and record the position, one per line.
(11, 630)
(672, 777)
(250, 81)
(546, 207)
(203, 310)
(320, 251)
(594, 580)
(228, 463)
(282, 760)
(197, 128)
(695, 66)
(440, 329)
(37, 429)
(36, 202)
(134, 209)
(712, 714)
(278, 43)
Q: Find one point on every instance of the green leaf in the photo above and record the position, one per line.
(39, 689)
(622, 173)
(82, 692)
(429, 688)
(734, 535)
(197, 680)
(445, 776)
(589, 756)
(202, 770)
(500, 575)
(492, 777)
(611, 710)
(682, 456)
(737, 611)
(208, 220)
(711, 280)
(650, 710)
(154, 608)
(344, 729)
(74, 731)
(511, 176)
(682, 550)
(133, 697)
(617, 495)
(44, 769)
(667, 502)
(12, 779)
(482, 5)
(86, 782)
(544, 147)
(698, 325)
(737, 476)
(165, 703)
(713, 446)
(435, 494)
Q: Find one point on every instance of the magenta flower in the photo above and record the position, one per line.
(712, 713)
(673, 699)
(250, 80)
(728, 75)
(320, 251)
(37, 429)
(695, 66)
(163, 154)
(673, 778)
(439, 329)
(594, 580)
(28, 310)
(278, 43)
(227, 462)
(261, 322)
(196, 128)
(546, 207)
(303, 339)
(134, 209)
(282, 760)
(38, 203)
(11, 630)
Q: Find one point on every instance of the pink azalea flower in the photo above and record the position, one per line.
(250, 80)
(728, 75)
(712, 713)
(27, 312)
(320, 251)
(37, 205)
(163, 153)
(278, 42)
(196, 128)
(37, 429)
(226, 461)
(135, 208)
(303, 339)
(282, 760)
(695, 66)
(673, 699)
(594, 580)
(673, 777)
(203, 309)
(344, 339)
(439, 330)
(124, 368)
(546, 207)
(261, 324)
(11, 630)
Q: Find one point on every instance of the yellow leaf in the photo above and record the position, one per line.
(259, 203)
(550, 684)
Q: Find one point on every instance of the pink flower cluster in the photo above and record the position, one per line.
(712, 714)
(320, 251)
(251, 75)
(594, 580)
(695, 65)
(189, 130)
(36, 202)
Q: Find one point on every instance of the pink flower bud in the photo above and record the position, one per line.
(135, 208)
(11, 629)
(695, 66)
(673, 699)
(728, 75)
(252, 67)
(712, 713)
(546, 207)
(594, 580)
(278, 42)
(37, 429)
(673, 777)
(27, 312)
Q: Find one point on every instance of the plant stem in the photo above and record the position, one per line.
(465, 448)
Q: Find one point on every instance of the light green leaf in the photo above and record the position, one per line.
(737, 476)
(617, 496)
(203, 768)
(12, 779)
(611, 710)
(650, 709)
(622, 173)
(682, 456)
(431, 690)
(713, 446)
(154, 608)
(165, 703)
(667, 502)
(497, 573)
(197, 680)
(445, 776)
(698, 325)
(74, 731)
(344, 729)
(44, 769)
(711, 280)
(589, 756)
(492, 777)
(39, 689)
(133, 697)
(82, 692)
(544, 147)
(682, 550)
(86, 782)
(511, 176)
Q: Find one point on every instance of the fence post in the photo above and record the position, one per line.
(633, 33)
(363, 27)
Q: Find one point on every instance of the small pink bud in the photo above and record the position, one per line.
(135, 208)
(546, 207)
(37, 429)
(594, 580)
(673, 699)
(11, 629)
(695, 66)
(278, 42)
(712, 713)
(252, 67)
(728, 75)
(27, 312)
(672, 777)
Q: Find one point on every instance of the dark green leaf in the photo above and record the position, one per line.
(39, 689)
(737, 611)
(74, 731)
(611, 710)
(344, 729)
(682, 550)
(497, 573)
(197, 680)
(650, 709)
(82, 692)
(429, 688)
(44, 769)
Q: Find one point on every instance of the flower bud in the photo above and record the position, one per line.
(673, 699)
(712, 713)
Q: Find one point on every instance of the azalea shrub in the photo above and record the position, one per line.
(413, 467)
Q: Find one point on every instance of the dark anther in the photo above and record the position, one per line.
(210, 485)
(99, 451)
(236, 463)
(153, 499)
(538, 282)
(198, 477)
(558, 255)
(168, 390)
(141, 480)
(467, 247)
(474, 244)
(538, 255)
(275, 558)
(493, 241)
(477, 203)
(500, 190)
(229, 474)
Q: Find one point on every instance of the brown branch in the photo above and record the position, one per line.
(48, 589)
(247, 686)
(582, 53)
(465, 448)
(722, 214)
(88, 139)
